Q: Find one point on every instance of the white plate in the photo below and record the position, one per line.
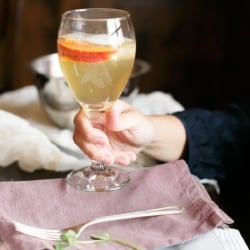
(217, 239)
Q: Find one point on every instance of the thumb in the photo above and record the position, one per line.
(121, 117)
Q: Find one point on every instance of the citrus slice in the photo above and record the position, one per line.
(82, 51)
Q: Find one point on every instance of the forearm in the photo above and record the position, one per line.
(169, 141)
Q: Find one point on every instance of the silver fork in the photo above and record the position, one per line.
(55, 234)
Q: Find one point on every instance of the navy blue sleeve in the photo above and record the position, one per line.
(218, 141)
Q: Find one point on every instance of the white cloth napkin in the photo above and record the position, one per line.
(156, 103)
(29, 137)
(20, 142)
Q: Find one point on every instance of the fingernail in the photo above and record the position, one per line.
(108, 159)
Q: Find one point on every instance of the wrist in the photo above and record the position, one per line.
(169, 140)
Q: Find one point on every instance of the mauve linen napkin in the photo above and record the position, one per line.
(54, 204)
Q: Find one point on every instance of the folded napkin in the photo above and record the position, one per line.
(157, 103)
(54, 204)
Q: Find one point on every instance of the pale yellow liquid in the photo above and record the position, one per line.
(97, 85)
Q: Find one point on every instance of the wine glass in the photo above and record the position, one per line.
(96, 48)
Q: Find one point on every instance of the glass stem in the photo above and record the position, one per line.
(96, 117)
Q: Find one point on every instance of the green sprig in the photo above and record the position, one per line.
(69, 238)
(108, 238)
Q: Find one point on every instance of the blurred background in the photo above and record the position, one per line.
(198, 49)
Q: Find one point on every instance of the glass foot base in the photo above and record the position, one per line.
(106, 179)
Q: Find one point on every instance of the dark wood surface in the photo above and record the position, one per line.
(14, 173)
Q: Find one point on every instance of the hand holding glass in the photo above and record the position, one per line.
(96, 49)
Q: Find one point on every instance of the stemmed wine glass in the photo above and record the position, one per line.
(96, 49)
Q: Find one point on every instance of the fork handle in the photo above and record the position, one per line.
(139, 214)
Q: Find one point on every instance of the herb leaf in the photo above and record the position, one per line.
(101, 236)
(69, 238)
(61, 245)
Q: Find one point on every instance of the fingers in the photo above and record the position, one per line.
(98, 153)
(124, 158)
(95, 143)
(89, 139)
(85, 133)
